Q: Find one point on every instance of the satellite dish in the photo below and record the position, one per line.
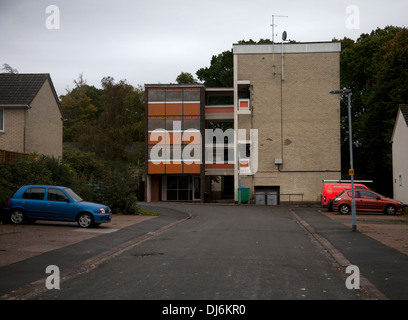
(284, 35)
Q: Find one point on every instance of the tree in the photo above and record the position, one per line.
(8, 69)
(120, 124)
(221, 71)
(81, 105)
(250, 41)
(186, 78)
(375, 68)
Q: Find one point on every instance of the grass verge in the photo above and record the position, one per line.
(148, 213)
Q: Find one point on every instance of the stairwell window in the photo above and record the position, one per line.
(1, 120)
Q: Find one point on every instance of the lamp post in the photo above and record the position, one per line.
(347, 92)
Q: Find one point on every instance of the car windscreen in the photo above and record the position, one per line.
(339, 194)
(73, 195)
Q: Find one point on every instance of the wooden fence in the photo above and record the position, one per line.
(9, 156)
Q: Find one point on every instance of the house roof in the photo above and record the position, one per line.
(404, 111)
(19, 89)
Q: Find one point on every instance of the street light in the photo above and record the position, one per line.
(347, 92)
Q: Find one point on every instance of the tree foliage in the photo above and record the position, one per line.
(81, 105)
(121, 124)
(375, 67)
(186, 78)
(221, 71)
(8, 69)
(107, 121)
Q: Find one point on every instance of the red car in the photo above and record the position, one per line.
(366, 201)
(330, 190)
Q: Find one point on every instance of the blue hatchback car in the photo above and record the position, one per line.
(42, 202)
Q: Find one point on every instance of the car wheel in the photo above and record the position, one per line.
(390, 209)
(85, 220)
(344, 209)
(330, 207)
(17, 216)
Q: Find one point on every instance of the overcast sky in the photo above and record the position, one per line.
(154, 41)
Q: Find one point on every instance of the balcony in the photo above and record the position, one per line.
(219, 103)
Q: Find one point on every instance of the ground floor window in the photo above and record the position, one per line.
(183, 188)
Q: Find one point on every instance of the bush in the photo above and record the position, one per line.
(119, 188)
(110, 182)
(28, 170)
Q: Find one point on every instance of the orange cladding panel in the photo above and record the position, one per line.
(156, 109)
(174, 109)
(174, 168)
(156, 168)
(243, 104)
(192, 109)
(192, 168)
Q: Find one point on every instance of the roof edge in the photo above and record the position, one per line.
(174, 85)
(301, 47)
(56, 96)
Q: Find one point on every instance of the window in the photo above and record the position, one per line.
(173, 124)
(34, 194)
(73, 195)
(244, 97)
(367, 195)
(174, 95)
(400, 180)
(192, 95)
(191, 124)
(180, 188)
(157, 95)
(154, 124)
(56, 195)
(1, 120)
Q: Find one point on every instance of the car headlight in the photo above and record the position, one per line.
(101, 210)
(337, 199)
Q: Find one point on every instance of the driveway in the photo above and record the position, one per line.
(19, 242)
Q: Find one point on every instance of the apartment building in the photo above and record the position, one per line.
(276, 132)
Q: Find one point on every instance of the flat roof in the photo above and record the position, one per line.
(305, 47)
(215, 89)
(161, 85)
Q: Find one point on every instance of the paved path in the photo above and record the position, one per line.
(385, 267)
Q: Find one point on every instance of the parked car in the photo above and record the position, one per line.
(42, 202)
(366, 200)
(331, 190)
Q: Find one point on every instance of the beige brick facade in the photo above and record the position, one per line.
(298, 120)
(12, 139)
(44, 124)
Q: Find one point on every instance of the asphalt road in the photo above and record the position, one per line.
(221, 253)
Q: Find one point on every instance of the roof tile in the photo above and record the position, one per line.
(18, 89)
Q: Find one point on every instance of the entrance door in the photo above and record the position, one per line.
(196, 188)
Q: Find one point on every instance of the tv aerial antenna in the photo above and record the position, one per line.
(273, 25)
(273, 38)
